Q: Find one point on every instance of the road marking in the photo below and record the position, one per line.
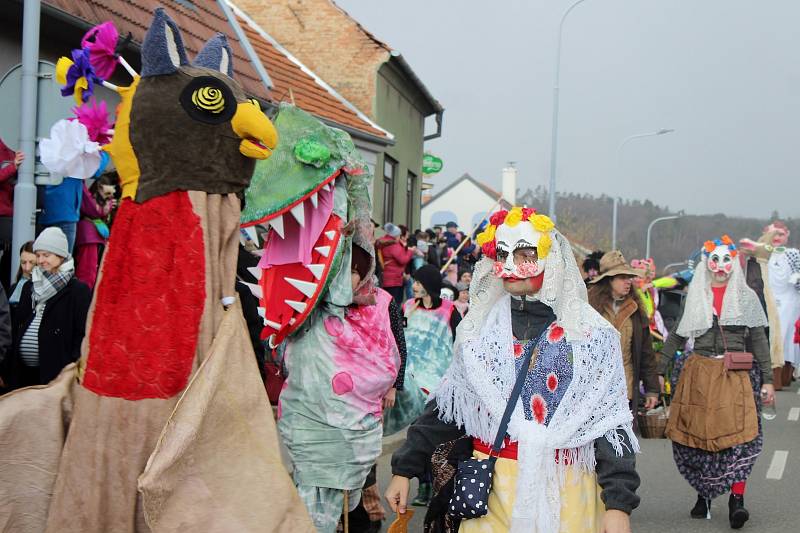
(777, 465)
(794, 414)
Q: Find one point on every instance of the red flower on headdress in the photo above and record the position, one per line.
(527, 212)
(490, 249)
(556, 333)
(518, 350)
(552, 382)
(498, 218)
(539, 408)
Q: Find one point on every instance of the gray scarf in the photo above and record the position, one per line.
(46, 284)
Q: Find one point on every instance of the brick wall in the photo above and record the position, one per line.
(328, 41)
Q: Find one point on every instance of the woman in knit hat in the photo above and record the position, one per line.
(50, 320)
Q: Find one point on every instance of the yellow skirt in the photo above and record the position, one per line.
(581, 507)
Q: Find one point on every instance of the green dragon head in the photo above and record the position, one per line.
(313, 195)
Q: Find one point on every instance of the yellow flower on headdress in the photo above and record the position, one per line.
(541, 223)
(487, 235)
(543, 247)
(514, 217)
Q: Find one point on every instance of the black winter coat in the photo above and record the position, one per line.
(60, 332)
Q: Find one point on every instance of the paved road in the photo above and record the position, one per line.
(773, 492)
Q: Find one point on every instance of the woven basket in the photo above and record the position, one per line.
(652, 425)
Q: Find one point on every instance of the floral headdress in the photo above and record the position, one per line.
(541, 223)
(710, 246)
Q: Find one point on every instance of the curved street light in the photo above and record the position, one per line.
(554, 134)
(650, 229)
(662, 131)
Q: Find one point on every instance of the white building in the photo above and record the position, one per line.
(467, 201)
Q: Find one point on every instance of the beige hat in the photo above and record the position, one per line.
(613, 264)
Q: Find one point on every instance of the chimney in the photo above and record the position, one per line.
(510, 183)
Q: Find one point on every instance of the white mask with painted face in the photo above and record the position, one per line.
(520, 240)
(720, 261)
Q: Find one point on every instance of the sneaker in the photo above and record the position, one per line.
(423, 495)
(737, 514)
(701, 509)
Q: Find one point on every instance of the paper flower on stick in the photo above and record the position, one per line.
(69, 152)
(101, 41)
(76, 75)
(95, 117)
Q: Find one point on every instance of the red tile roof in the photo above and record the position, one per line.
(203, 22)
(292, 82)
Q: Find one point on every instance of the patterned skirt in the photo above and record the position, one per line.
(711, 474)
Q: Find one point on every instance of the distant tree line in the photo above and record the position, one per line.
(586, 219)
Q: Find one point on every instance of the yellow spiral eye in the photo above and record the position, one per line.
(209, 99)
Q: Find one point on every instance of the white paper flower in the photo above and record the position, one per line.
(69, 152)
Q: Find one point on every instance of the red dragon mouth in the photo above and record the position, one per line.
(299, 253)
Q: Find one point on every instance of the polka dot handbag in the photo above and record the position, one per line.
(473, 479)
(473, 483)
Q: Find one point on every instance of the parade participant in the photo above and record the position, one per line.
(462, 302)
(431, 323)
(163, 424)
(92, 234)
(334, 394)
(394, 255)
(571, 429)
(757, 255)
(591, 265)
(611, 294)
(27, 260)
(784, 280)
(647, 287)
(714, 421)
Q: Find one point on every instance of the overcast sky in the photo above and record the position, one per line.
(725, 74)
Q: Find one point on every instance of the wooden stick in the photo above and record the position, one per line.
(346, 511)
(478, 225)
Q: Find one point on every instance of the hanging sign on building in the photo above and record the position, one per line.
(431, 164)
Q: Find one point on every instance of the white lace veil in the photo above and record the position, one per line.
(740, 306)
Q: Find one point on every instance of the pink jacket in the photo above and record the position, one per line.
(395, 258)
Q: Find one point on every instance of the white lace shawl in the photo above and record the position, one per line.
(740, 306)
(476, 387)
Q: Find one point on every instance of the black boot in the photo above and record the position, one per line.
(423, 495)
(737, 514)
(701, 509)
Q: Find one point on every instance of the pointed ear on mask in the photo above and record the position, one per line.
(216, 55)
(162, 49)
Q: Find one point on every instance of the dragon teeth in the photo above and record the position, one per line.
(300, 307)
(255, 271)
(307, 288)
(324, 251)
(298, 212)
(277, 224)
(317, 270)
(314, 200)
(256, 290)
(271, 324)
(330, 235)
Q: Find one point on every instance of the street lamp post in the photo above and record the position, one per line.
(650, 229)
(614, 218)
(554, 134)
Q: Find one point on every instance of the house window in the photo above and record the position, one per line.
(389, 172)
(410, 188)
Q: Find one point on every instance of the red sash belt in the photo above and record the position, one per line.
(509, 450)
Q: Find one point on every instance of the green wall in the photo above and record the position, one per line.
(400, 108)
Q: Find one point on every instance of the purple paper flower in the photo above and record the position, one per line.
(101, 41)
(77, 76)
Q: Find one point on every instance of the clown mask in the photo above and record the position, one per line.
(781, 236)
(518, 241)
(720, 255)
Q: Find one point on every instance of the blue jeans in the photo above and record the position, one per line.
(69, 229)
